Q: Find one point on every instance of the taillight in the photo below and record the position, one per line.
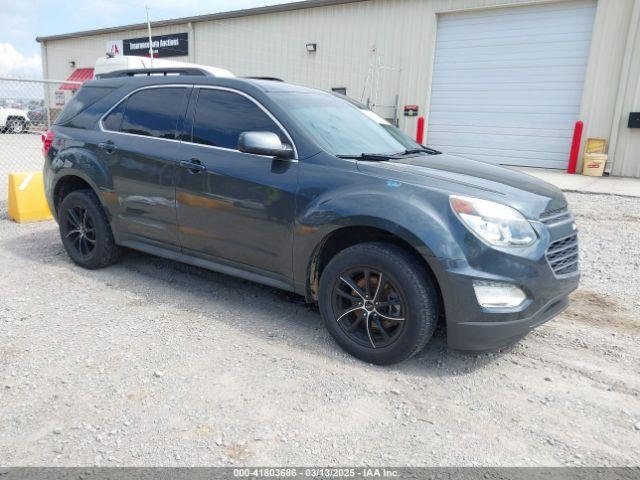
(47, 140)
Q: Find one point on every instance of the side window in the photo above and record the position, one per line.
(222, 116)
(82, 100)
(114, 119)
(153, 112)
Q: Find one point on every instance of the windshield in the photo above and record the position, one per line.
(341, 128)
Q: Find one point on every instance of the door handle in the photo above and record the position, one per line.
(194, 165)
(108, 146)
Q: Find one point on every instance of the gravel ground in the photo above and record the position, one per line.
(151, 362)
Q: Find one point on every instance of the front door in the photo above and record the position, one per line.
(234, 207)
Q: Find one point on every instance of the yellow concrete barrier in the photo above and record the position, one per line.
(27, 202)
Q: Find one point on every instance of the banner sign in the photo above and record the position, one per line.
(172, 45)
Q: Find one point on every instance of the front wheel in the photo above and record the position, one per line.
(16, 126)
(378, 303)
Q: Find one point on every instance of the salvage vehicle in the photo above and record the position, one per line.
(300, 190)
(13, 120)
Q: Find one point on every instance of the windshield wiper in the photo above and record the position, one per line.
(428, 150)
(375, 157)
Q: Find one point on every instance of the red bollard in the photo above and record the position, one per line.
(420, 132)
(575, 147)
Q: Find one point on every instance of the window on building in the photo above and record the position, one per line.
(222, 116)
(153, 112)
(340, 90)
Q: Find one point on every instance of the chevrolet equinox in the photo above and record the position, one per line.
(301, 190)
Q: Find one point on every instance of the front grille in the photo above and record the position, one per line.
(555, 216)
(562, 255)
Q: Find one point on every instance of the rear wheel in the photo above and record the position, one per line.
(85, 231)
(378, 302)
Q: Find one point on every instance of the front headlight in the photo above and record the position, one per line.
(495, 223)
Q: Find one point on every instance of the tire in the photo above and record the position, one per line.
(16, 126)
(405, 308)
(85, 231)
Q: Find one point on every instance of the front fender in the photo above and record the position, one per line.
(419, 218)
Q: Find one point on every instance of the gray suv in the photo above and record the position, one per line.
(300, 190)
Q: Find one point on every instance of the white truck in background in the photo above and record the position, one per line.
(13, 120)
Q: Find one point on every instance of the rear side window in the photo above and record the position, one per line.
(152, 112)
(222, 116)
(113, 121)
(82, 100)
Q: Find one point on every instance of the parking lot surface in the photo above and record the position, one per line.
(19, 153)
(151, 362)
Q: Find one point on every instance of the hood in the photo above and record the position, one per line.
(463, 176)
(13, 111)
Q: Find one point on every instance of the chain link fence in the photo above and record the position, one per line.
(27, 110)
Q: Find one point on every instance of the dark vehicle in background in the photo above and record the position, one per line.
(37, 115)
(297, 189)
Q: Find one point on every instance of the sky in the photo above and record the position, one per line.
(23, 20)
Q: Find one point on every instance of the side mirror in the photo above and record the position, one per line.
(264, 143)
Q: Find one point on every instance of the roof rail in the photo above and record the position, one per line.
(148, 72)
(273, 79)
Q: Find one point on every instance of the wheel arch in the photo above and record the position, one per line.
(365, 231)
(70, 182)
(70, 168)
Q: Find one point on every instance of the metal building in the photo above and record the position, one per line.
(503, 81)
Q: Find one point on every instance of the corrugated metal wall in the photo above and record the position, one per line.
(376, 49)
(627, 150)
(604, 76)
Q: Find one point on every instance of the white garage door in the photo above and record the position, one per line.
(507, 82)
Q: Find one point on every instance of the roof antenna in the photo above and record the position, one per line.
(150, 42)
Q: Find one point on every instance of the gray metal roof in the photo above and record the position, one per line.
(286, 7)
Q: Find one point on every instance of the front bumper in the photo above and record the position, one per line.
(472, 327)
(490, 335)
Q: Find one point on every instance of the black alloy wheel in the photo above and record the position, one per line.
(368, 307)
(85, 230)
(379, 302)
(80, 230)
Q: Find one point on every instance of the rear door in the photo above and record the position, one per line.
(141, 149)
(232, 206)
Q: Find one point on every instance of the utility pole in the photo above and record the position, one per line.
(149, 30)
